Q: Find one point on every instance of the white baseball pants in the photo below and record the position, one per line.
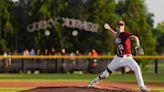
(125, 61)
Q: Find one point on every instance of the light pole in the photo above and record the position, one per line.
(75, 33)
(47, 33)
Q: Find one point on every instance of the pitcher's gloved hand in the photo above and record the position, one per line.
(139, 50)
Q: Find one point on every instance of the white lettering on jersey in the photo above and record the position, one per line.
(119, 46)
(117, 41)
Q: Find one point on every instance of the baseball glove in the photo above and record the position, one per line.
(139, 50)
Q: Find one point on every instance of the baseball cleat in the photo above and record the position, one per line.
(144, 89)
(93, 84)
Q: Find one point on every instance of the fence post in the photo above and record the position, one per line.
(156, 66)
(123, 70)
(22, 65)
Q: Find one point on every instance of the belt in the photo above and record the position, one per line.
(127, 55)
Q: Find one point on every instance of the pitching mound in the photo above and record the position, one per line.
(76, 89)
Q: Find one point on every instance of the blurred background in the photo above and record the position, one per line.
(74, 27)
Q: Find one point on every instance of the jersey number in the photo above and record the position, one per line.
(120, 48)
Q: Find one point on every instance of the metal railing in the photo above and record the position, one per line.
(68, 57)
(58, 63)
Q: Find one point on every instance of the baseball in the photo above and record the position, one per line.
(106, 26)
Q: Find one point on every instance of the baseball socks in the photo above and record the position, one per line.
(103, 75)
(94, 82)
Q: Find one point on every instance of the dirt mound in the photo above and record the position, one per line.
(77, 89)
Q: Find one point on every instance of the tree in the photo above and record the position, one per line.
(6, 27)
(102, 11)
(136, 17)
(61, 37)
(35, 11)
(96, 11)
(159, 33)
(26, 12)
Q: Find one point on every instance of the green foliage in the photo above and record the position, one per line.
(159, 33)
(6, 27)
(3, 45)
(101, 11)
(13, 28)
(76, 78)
(135, 15)
(61, 37)
(139, 23)
(160, 28)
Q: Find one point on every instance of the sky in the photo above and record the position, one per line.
(156, 7)
(15, 0)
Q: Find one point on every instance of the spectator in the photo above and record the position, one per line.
(89, 63)
(26, 52)
(77, 54)
(92, 62)
(46, 52)
(5, 54)
(39, 61)
(7, 61)
(72, 58)
(38, 52)
(94, 53)
(53, 51)
(63, 53)
(32, 52)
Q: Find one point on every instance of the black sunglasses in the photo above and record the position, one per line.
(120, 24)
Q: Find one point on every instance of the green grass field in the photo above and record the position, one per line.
(150, 67)
(73, 78)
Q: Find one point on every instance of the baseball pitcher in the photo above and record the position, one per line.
(123, 57)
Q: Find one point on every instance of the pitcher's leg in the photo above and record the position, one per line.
(138, 75)
(135, 67)
(103, 75)
(131, 63)
(112, 66)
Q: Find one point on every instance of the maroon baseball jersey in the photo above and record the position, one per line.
(123, 44)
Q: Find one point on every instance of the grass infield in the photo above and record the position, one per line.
(77, 77)
(12, 89)
(73, 78)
